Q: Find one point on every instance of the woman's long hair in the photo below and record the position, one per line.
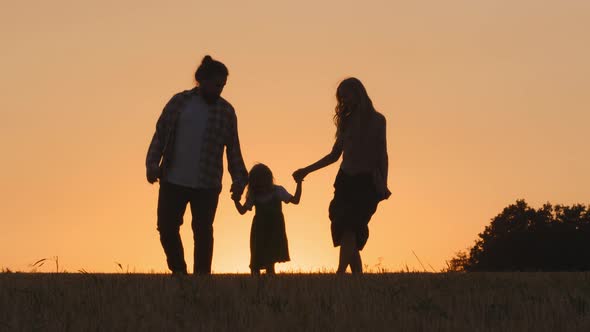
(260, 174)
(357, 101)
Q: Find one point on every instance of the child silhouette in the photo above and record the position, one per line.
(268, 239)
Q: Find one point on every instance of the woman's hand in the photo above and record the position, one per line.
(300, 174)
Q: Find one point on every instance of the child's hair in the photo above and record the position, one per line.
(259, 176)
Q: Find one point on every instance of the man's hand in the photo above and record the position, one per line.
(152, 174)
(236, 192)
(236, 197)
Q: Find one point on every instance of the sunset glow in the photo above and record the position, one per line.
(486, 102)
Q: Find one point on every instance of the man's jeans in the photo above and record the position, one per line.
(172, 202)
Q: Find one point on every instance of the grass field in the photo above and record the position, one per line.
(296, 302)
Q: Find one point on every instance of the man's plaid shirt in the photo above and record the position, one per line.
(221, 131)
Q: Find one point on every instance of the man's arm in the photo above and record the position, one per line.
(156, 148)
(235, 161)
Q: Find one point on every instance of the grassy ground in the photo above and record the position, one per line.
(296, 302)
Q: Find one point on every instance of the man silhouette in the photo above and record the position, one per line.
(186, 155)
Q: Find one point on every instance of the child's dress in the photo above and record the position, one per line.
(268, 239)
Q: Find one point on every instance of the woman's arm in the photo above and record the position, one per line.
(329, 159)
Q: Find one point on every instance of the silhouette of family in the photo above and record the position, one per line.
(186, 157)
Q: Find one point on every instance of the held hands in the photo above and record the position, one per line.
(236, 196)
(300, 174)
(236, 192)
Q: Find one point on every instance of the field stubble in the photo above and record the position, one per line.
(289, 302)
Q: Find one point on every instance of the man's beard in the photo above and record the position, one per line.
(211, 98)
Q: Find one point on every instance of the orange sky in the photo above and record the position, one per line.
(487, 102)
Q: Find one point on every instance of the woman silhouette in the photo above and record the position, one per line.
(361, 182)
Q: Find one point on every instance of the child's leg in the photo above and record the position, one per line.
(270, 269)
(347, 247)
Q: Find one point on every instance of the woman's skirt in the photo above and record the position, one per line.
(354, 203)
